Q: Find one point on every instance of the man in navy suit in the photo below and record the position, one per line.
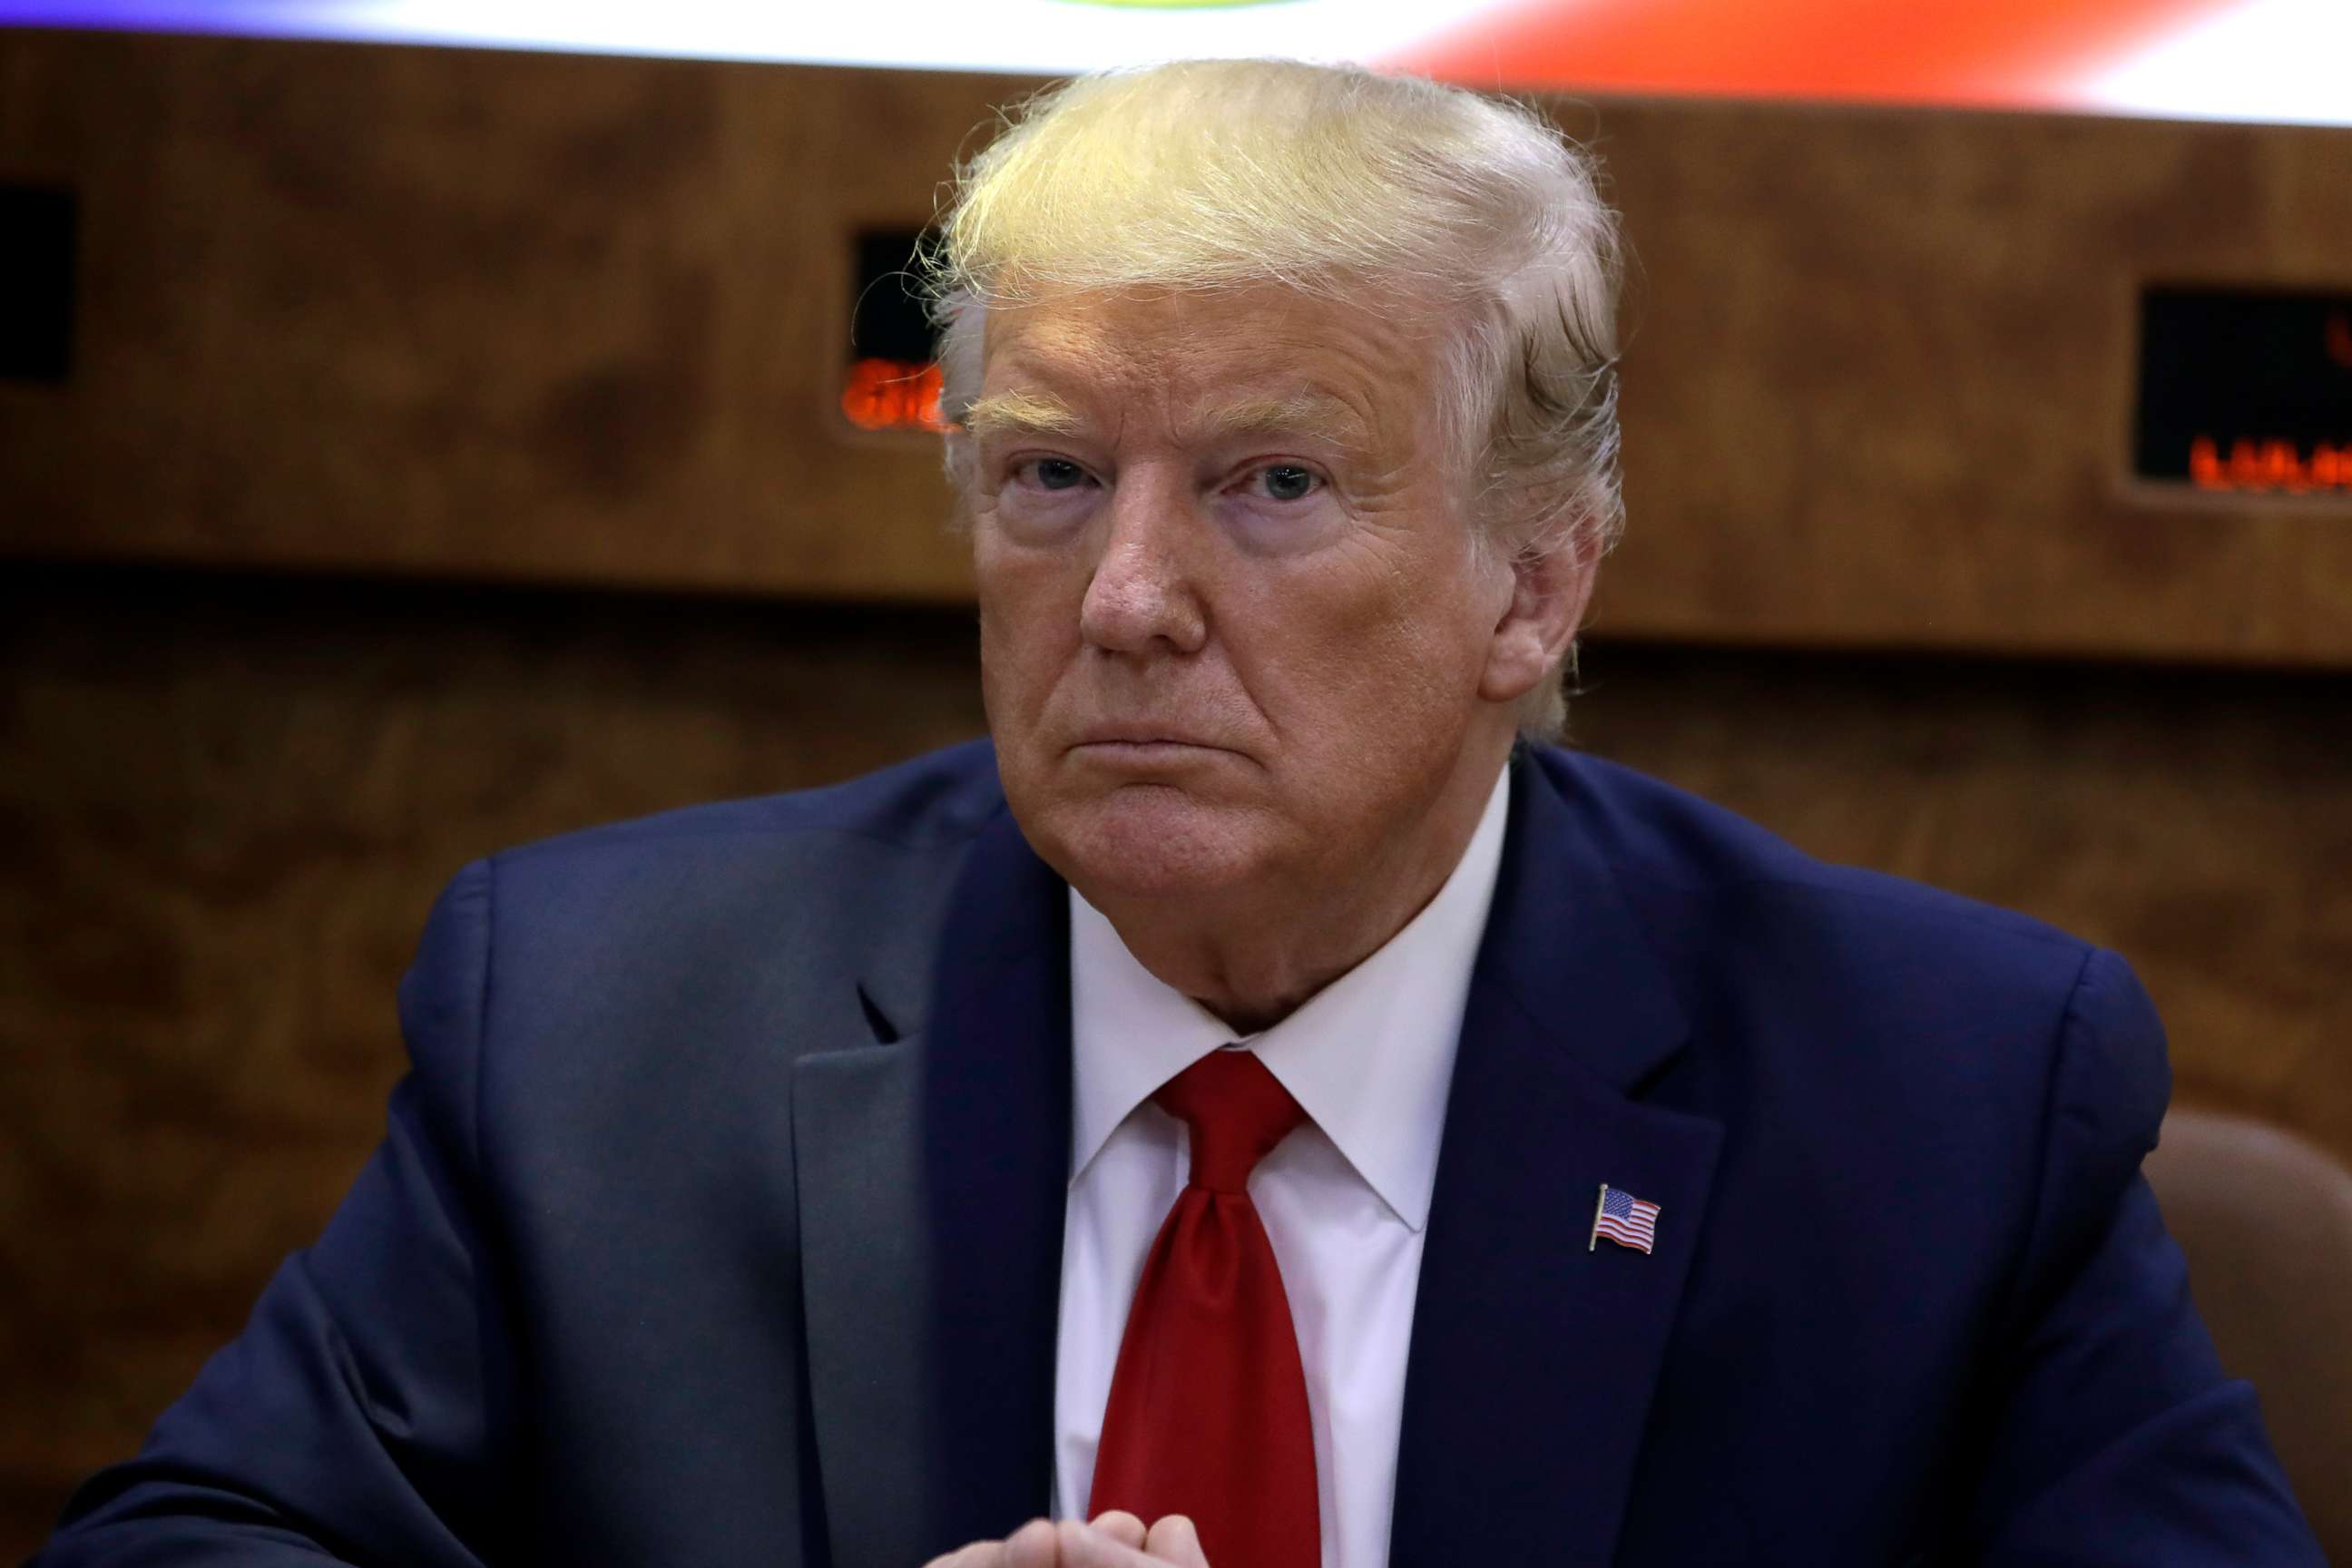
(1181, 1130)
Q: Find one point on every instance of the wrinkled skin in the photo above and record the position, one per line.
(1249, 681)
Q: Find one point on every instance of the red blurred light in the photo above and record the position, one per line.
(2270, 466)
(892, 395)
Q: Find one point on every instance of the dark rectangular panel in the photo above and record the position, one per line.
(893, 380)
(2246, 389)
(37, 277)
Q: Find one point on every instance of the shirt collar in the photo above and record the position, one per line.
(1370, 1056)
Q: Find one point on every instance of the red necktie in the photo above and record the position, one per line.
(1208, 1405)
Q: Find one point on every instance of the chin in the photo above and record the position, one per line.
(1146, 841)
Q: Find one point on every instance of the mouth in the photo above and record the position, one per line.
(1144, 732)
(1144, 747)
(1117, 745)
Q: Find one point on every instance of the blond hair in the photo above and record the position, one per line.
(1343, 184)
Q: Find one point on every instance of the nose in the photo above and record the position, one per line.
(1142, 598)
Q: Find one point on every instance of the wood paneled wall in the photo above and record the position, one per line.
(225, 807)
(516, 315)
(228, 802)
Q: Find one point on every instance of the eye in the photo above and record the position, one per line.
(1286, 481)
(1051, 473)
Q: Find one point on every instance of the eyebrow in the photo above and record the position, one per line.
(1301, 413)
(1020, 413)
(1312, 415)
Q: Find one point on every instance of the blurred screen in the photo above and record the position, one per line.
(2246, 390)
(2262, 60)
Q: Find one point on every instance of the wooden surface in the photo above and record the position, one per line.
(530, 316)
(463, 312)
(1881, 382)
(228, 802)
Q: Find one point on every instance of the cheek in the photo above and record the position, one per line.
(1376, 710)
(1368, 651)
(1029, 603)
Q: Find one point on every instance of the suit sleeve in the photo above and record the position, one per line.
(364, 1413)
(2119, 1439)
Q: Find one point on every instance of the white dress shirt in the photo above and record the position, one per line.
(1344, 1198)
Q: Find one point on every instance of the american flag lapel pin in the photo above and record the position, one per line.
(1623, 1219)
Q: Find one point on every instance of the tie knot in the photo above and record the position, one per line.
(1238, 1110)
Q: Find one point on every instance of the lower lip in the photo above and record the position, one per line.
(1146, 753)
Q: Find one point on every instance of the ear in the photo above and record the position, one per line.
(1549, 590)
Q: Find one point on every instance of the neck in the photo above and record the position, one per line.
(1262, 952)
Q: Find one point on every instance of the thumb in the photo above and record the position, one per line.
(1173, 1539)
(1035, 1545)
(1083, 1546)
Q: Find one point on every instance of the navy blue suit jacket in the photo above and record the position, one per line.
(720, 1222)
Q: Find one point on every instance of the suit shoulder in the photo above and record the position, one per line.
(1826, 998)
(789, 887)
(747, 926)
(931, 802)
(1671, 847)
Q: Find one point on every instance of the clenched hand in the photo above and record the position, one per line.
(1113, 1540)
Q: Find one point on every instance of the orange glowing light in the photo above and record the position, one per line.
(892, 395)
(2018, 53)
(2270, 466)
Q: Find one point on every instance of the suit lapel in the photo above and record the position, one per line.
(854, 1121)
(931, 1172)
(933, 1175)
(995, 1111)
(1533, 1357)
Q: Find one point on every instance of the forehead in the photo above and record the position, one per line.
(1230, 360)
